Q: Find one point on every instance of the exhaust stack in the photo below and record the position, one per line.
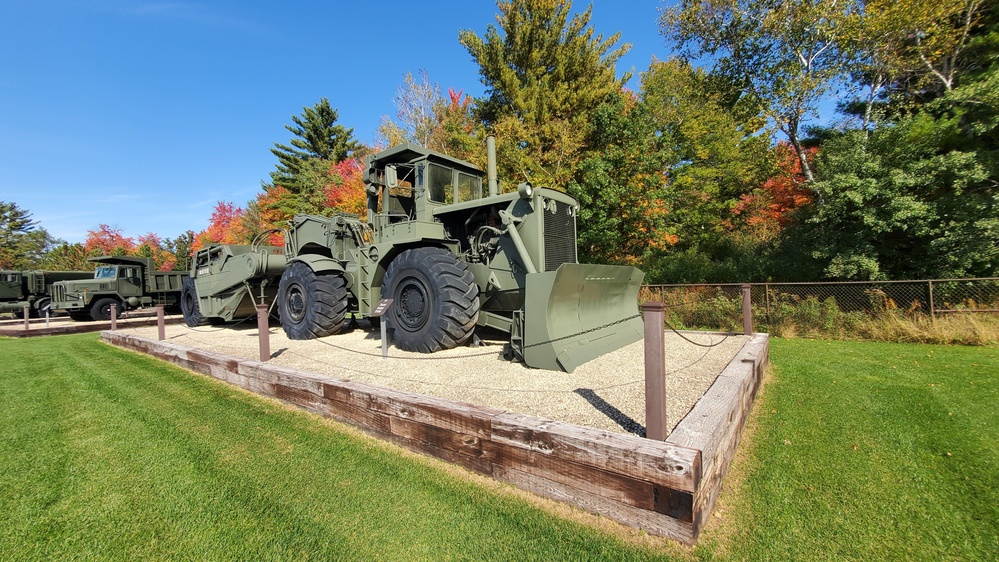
(491, 164)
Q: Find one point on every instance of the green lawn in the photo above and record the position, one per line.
(873, 451)
(860, 451)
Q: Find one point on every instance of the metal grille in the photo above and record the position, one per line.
(58, 293)
(560, 236)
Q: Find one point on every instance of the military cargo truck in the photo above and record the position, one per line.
(126, 281)
(227, 281)
(32, 288)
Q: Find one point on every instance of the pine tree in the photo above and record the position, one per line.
(318, 136)
(15, 229)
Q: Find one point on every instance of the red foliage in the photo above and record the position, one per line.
(107, 241)
(770, 207)
(224, 227)
(151, 246)
(457, 100)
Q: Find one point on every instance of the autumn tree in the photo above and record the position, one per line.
(770, 208)
(446, 124)
(150, 245)
(224, 227)
(545, 74)
(108, 241)
(623, 191)
(345, 193)
(785, 54)
(180, 247)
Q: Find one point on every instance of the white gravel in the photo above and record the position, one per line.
(607, 393)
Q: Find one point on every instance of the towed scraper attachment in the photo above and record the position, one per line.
(578, 313)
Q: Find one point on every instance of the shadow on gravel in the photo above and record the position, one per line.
(617, 416)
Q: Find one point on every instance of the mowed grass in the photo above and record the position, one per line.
(872, 451)
(106, 454)
(856, 451)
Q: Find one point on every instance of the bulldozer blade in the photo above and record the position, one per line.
(578, 313)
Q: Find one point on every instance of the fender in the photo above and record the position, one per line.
(318, 263)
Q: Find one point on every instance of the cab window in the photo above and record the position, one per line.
(469, 187)
(441, 188)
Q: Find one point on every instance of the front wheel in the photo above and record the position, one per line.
(311, 305)
(102, 309)
(436, 301)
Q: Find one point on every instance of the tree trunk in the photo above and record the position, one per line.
(806, 169)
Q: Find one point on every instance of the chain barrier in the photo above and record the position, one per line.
(694, 342)
(584, 331)
(379, 355)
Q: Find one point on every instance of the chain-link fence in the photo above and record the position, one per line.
(944, 310)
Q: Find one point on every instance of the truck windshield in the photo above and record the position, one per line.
(104, 273)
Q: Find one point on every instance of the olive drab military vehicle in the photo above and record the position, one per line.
(227, 281)
(125, 281)
(450, 254)
(453, 255)
(32, 288)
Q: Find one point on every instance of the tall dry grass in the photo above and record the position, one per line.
(713, 308)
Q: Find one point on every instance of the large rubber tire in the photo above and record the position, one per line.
(189, 304)
(311, 305)
(101, 310)
(435, 300)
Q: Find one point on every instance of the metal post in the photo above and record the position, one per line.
(770, 322)
(933, 312)
(655, 370)
(747, 309)
(47, 317)
(264, 332)
(114, 317)
(384, 337)
(27, 314)
(160, 322)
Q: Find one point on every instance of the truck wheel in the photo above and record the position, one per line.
(102, 309)
(189, 304)
(311, 305)
(436, 301)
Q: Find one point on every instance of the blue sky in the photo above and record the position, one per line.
(143, 114)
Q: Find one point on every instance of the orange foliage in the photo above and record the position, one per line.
(345, 192)
(769, 208)
(107, 241)
(151, 246)
(224, 227)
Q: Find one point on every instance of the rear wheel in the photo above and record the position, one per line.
(189, 304)
(311, 305)
(102, 309)
(435, 300)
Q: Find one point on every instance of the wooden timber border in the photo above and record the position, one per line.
(667, 488)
